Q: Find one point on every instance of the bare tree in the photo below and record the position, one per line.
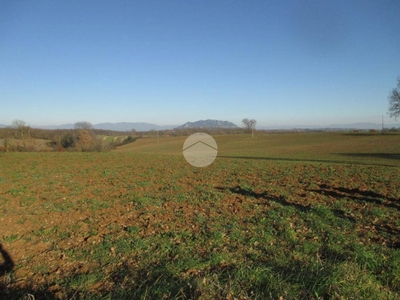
(20, 127)
(250, 125)
(83, 125)
(394, 101)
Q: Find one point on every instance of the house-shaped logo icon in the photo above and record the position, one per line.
(200, 149)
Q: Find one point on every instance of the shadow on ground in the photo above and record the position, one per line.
(282, 201)
(310, 160)
(393, 156)
(369, 134)
(8, 264)
(358, 195)
(264, 196)
(154, 281)
(353, 194)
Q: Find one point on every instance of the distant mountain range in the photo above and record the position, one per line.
(351, 126)
(122, 126)
(208, 124)
(142, 126)
(138, 126)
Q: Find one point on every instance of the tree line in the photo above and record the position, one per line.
(21, 137)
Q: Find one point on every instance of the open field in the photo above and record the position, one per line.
(110, 139)
(280, 216)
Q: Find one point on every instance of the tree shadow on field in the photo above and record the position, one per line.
(5, 268)
(358, 195)
(392, 156)
(125, 281)
(8, 292)
(8, 263)
(364, 134)
(153, 281)
(306, 160)
(264, 196)
(369, 134)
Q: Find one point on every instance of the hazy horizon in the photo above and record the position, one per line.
(387, 121)
(289, 63)
(362, 125)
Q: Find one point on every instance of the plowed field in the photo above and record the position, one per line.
(280, 216)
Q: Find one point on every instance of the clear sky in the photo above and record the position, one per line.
(169, 62)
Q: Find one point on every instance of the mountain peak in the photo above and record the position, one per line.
(209, 123)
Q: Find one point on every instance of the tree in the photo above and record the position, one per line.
(20, 127)
(394, 101)
(68, 140)
(85, 136)
(84, 140)
(250, 125)
(83, 125)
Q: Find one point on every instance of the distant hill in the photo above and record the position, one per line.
(126, 126)
(122, 126)
(357, 126)
(351, 126)
(3, 126)
(142, 126)
(208, 124)
(64, 126)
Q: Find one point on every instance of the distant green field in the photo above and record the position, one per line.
(278, 216)
(363, 148)
(110, 139)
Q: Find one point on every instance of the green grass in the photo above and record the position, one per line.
(11, 238)
(335, 147)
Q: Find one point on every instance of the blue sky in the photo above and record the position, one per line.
(169, 62)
